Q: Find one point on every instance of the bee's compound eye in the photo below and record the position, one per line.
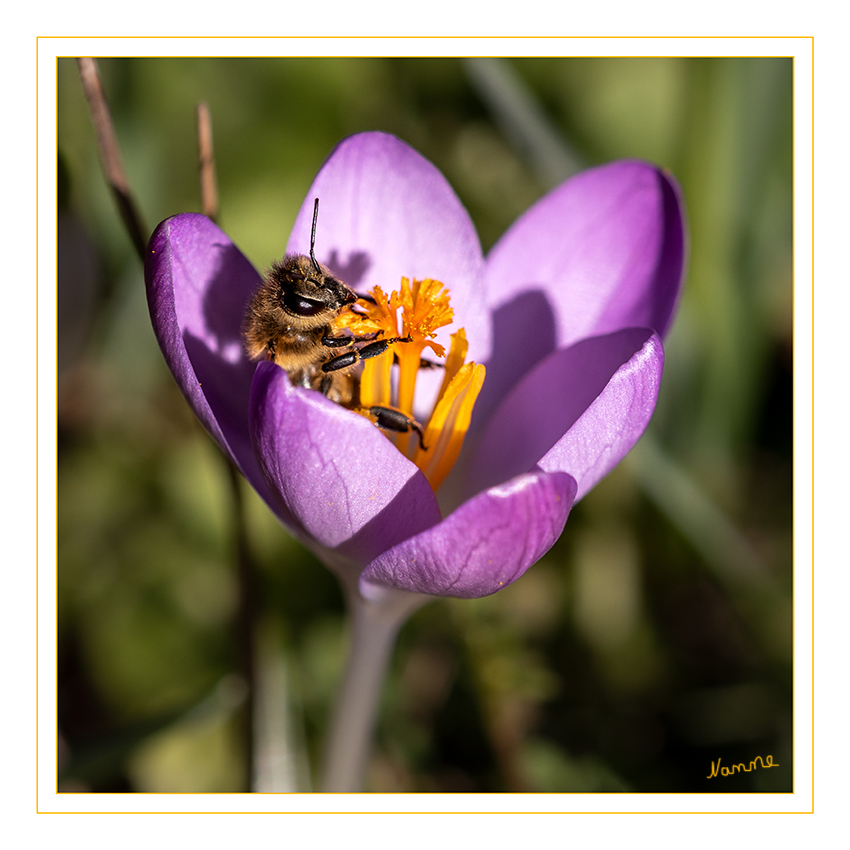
(301, 306)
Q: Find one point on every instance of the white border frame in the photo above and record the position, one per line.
(801, 800)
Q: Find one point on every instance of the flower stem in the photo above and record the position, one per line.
(374, 626)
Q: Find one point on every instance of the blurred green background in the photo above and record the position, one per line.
(654, 639)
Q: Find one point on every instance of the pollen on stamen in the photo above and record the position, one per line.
(425, 307)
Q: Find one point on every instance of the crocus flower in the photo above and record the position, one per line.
(566, 314)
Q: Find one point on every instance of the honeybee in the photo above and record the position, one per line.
(289, 322)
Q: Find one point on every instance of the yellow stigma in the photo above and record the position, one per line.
(425, 308)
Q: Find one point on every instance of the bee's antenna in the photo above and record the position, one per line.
(313, 237)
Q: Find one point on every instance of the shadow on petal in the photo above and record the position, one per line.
(199, 285)
(524, 333)
(353, 270)
(547, 403)
(654, 306)
(225, 302)
(608, 248)
(226, 388)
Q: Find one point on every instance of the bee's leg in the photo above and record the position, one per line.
(323, 383)
(379, 346)
(373, 349)
(391, 419)
(342, 341)
(301, 378)
(336, 341)
(425, 364)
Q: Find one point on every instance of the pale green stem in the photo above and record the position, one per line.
(523, 120)
(374, 626)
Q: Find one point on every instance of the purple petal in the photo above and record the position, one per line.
(603, 251)
(486, 544)
(387, 212)
(346, 483)
(198, 286)
(579, 411)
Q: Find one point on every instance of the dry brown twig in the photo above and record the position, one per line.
(116, 178)
(206, 163)
(110, 154)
